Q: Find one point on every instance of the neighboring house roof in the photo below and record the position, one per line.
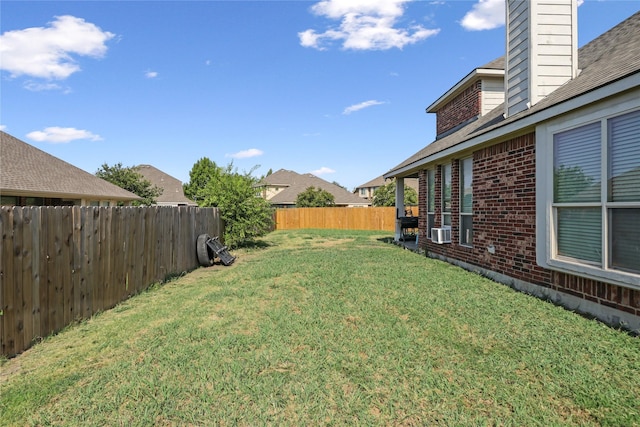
(172, 190)
(294, 183)
(375, 182)
(28, 171)
(609, 64)
(380, 181)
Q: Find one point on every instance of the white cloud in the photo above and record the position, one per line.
(58, 135)
(3, 127)
(323, 171)
(485, 15)
(151, 74)
(38, 87)
(364, 25)
(362, 105)
(245, 154)
(47, 52)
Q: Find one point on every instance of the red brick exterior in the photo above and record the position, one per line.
(422, 206)
(504, 216)
(460, 109)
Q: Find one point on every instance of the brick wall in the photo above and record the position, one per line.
(422, 206)
(504, 216)
(460, 109)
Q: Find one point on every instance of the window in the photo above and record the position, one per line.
(588, 194)
(34, 201)
(431, 201)
(8, 200)
(446, 195)
(466, 202)
(577, 193)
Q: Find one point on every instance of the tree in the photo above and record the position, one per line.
(572, 184)
(386, 195)
(339, 185)
(129, 179)
(245, 214)
(315, 198)
(202, 172)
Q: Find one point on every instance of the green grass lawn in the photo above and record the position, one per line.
(328, 328)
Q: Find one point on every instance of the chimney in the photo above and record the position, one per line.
(542, 50)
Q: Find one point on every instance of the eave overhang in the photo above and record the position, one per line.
(462, 85)
(518, 125)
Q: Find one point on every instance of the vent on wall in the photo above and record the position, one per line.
(441, 235)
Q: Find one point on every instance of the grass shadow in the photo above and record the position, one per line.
(254, 244)
(385, 239)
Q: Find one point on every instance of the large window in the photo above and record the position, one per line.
(446, 195)
(431, 201)
(593, 222)
(466, 201)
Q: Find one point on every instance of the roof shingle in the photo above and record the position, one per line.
(172, 191)
(296, 183)
(26, 170)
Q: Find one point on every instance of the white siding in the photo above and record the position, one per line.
(541, 50)
(492, 94)
(517, 72)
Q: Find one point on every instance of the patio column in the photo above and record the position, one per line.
(399, 207)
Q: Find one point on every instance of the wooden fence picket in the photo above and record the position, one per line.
(60, 264)
(373, 218)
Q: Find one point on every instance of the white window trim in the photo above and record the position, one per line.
(443, 214)
(430, 176)
(461, 195)
(545, 228)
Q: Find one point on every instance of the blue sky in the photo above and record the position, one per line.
(335, 87)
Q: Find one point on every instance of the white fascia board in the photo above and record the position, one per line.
(627, 83)
(478, 72)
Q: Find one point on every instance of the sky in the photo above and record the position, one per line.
(337, 88)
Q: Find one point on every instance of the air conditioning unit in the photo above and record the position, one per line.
(441, 235)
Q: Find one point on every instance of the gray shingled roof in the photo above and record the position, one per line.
(496, 64)
(380, 181)
(26, 170)
(610, 57)
(296, 183)
(172, 191)
(375, 182)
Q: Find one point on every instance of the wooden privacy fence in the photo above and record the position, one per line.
(60, 264)
(372, 218)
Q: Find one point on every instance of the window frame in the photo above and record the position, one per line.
(546, 209)
(461, 212)
(431, 196)
(443, 199)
